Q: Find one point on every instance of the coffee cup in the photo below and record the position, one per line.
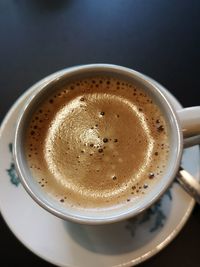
(100, 143)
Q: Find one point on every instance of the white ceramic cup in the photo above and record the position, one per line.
(184, 126)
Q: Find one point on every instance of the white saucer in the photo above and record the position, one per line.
(68, 244)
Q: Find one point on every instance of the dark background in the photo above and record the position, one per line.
(158, 38)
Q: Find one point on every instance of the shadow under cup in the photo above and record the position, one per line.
(98, 216)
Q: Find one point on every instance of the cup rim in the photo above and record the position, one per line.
(91, 220)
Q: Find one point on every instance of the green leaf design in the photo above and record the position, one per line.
(11, 171)
(154, 215)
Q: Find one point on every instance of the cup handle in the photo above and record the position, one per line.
(190, 122)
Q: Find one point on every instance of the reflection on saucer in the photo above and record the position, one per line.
(104, 239)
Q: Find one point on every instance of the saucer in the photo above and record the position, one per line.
(68, 244)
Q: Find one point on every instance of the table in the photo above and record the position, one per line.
(158, 38)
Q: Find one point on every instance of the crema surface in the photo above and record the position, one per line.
(97, 142)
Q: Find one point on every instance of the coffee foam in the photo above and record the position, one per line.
(97, 142)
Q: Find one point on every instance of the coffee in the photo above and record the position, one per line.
(97, 142)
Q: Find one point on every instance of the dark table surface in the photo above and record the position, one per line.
(158, 38)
